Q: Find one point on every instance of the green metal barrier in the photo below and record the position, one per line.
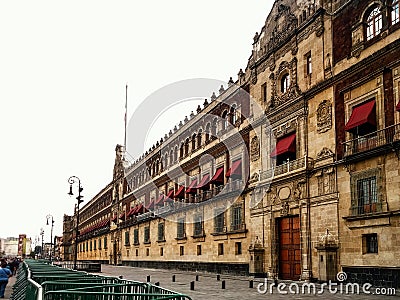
(39, 280)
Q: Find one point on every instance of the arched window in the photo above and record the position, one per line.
(176, 154)
(285, 82)
(193, 142)
(181, 150)
(233, 115)
(187, 146)
(224, 120)
(171, 157)
(374, 23)
(214, 128)
(208, 130)
(199, 138)
(395, 16)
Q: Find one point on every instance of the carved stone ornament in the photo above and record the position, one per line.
(325, 153)
(253, 76)
(255, 149)
(285, 24)
(285, 208)
(324, 116)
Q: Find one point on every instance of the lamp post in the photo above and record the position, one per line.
(51, 234)
(41, 250)
(71, 181)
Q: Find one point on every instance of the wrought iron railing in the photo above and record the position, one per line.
(302, 163)
(372, 140)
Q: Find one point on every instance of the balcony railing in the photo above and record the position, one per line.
(303, 163)
(373, 140)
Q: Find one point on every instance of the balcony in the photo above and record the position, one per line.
(377, 142)
(301, 164)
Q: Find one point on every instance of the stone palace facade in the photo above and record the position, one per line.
(306, 188)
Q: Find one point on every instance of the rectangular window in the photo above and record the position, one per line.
(126, 238)
(236, 223)
(395, 12)
(137, 252)
(198, 226)
(136, 236)
(264, 92)
(308, 64)
(105, 243)
(220, 249)
(219, 222)
(181, 229)
(94, 245)
(146, 239)
(161, 251)
(238, 248)
(198, 249)
(367, 195)
(181, 250)
(370, 243)
(147, 252)
(161, 232)
(87, 246)
(99, 244)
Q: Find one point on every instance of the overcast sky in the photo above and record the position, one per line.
(63, 70)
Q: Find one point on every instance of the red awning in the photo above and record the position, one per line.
(235, 170)
(139, 209)
(398, 107)
(180, 192)
(218, 176)
(284, 145)
(114, 218)
(130, 212)
(362, 114)
(160, 200)
(192, 187)
(204, 182)
(121, 216)
(169, 196)
(150, 205)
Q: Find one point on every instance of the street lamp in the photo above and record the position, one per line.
(51, 233)
(71, 181)
(41, 250)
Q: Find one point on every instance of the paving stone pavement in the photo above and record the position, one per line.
(8, 292)
(208, 287)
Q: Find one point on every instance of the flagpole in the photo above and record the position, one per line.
(126, 111)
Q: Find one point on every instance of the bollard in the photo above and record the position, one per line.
(251, 284)
(173, 278)
(192, 285)
(223, 284)
(197, 277)
(218, 277)
(157, 283)
(148, 278)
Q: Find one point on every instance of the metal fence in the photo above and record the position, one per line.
(40, 280)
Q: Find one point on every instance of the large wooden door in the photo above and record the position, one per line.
(289, 248)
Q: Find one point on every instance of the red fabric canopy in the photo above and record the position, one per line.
(362, 114)
(122, 215)
(204, 182)
(398, 106)
(131, 212)
(192, 189)
(236, 169)
(114, 218)
(218, 176)
(180, 192)
(139, 209)
(160, 200)
(150, 205)
(169, 196)
(284, 145)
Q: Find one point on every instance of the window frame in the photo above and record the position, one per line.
(395, 12)
(373, 23)
(285, 82)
